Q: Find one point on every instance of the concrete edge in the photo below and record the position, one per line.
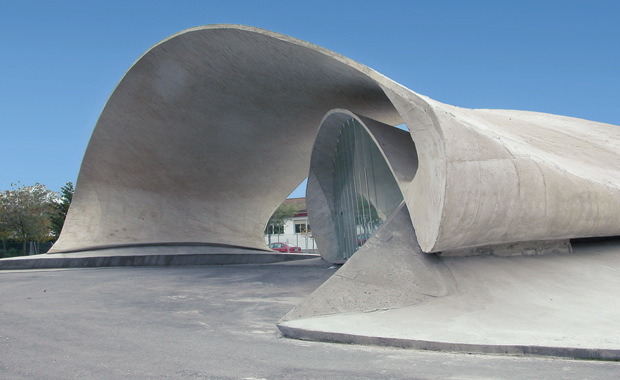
(154, 245)
(516, 350)
(150, 260)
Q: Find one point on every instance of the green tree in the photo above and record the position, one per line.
(366, 213)
(26, 212)
(61, 206)
(276, 222)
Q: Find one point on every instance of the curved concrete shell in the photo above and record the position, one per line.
(213, 127)
(206, 134)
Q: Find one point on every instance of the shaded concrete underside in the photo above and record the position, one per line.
(556, 304)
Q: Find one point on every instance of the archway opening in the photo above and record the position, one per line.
(365, 191)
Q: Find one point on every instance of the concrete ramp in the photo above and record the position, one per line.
(391, 293)
(388, 271)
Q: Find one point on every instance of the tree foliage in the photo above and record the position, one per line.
(366, 213)
(276, 222)
(25, 213)
(61, 207)
(5, 229)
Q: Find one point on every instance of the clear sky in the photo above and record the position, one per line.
(62, 59)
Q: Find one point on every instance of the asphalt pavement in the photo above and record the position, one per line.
(210, 322)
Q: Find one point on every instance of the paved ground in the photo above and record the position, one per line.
(209, 322)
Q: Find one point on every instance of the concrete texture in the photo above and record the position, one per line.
(206, 134)
(388, 271)
(213, 127)
(488, 177)
(210, 322)
(151, 255)
(559, 305)
(515, 249)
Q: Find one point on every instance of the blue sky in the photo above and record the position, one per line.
(62, 59)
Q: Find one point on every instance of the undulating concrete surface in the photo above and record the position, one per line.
(210, 322)
(205, 136)
(562, 305)
(213, 127)
(488, 177)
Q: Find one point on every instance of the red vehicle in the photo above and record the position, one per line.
(361, 239)
(283, 247)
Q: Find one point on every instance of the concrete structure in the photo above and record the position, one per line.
(206, 134)
(213, 127)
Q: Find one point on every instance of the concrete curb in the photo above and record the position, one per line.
(43, 262)
(518, 350)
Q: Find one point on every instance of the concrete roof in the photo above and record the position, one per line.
(211, 128)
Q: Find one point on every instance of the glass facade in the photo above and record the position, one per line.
(365, 191)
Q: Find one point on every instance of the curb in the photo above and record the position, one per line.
(516, 350)
(149, 260)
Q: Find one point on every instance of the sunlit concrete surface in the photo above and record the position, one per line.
(208, 322)
(556, 304)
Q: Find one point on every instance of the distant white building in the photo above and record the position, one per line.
(297, 231)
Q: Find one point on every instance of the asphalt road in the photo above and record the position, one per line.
(209, 322)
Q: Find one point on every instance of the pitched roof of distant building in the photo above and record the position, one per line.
(300, 203)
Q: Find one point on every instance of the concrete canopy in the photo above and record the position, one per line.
(206, 134)
(214, 126)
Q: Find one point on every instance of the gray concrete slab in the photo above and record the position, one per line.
(210, 322)
(560, 305)
(151, 255)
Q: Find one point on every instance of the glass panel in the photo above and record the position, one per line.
(365, 191)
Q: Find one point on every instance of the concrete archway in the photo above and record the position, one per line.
(212, 127)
